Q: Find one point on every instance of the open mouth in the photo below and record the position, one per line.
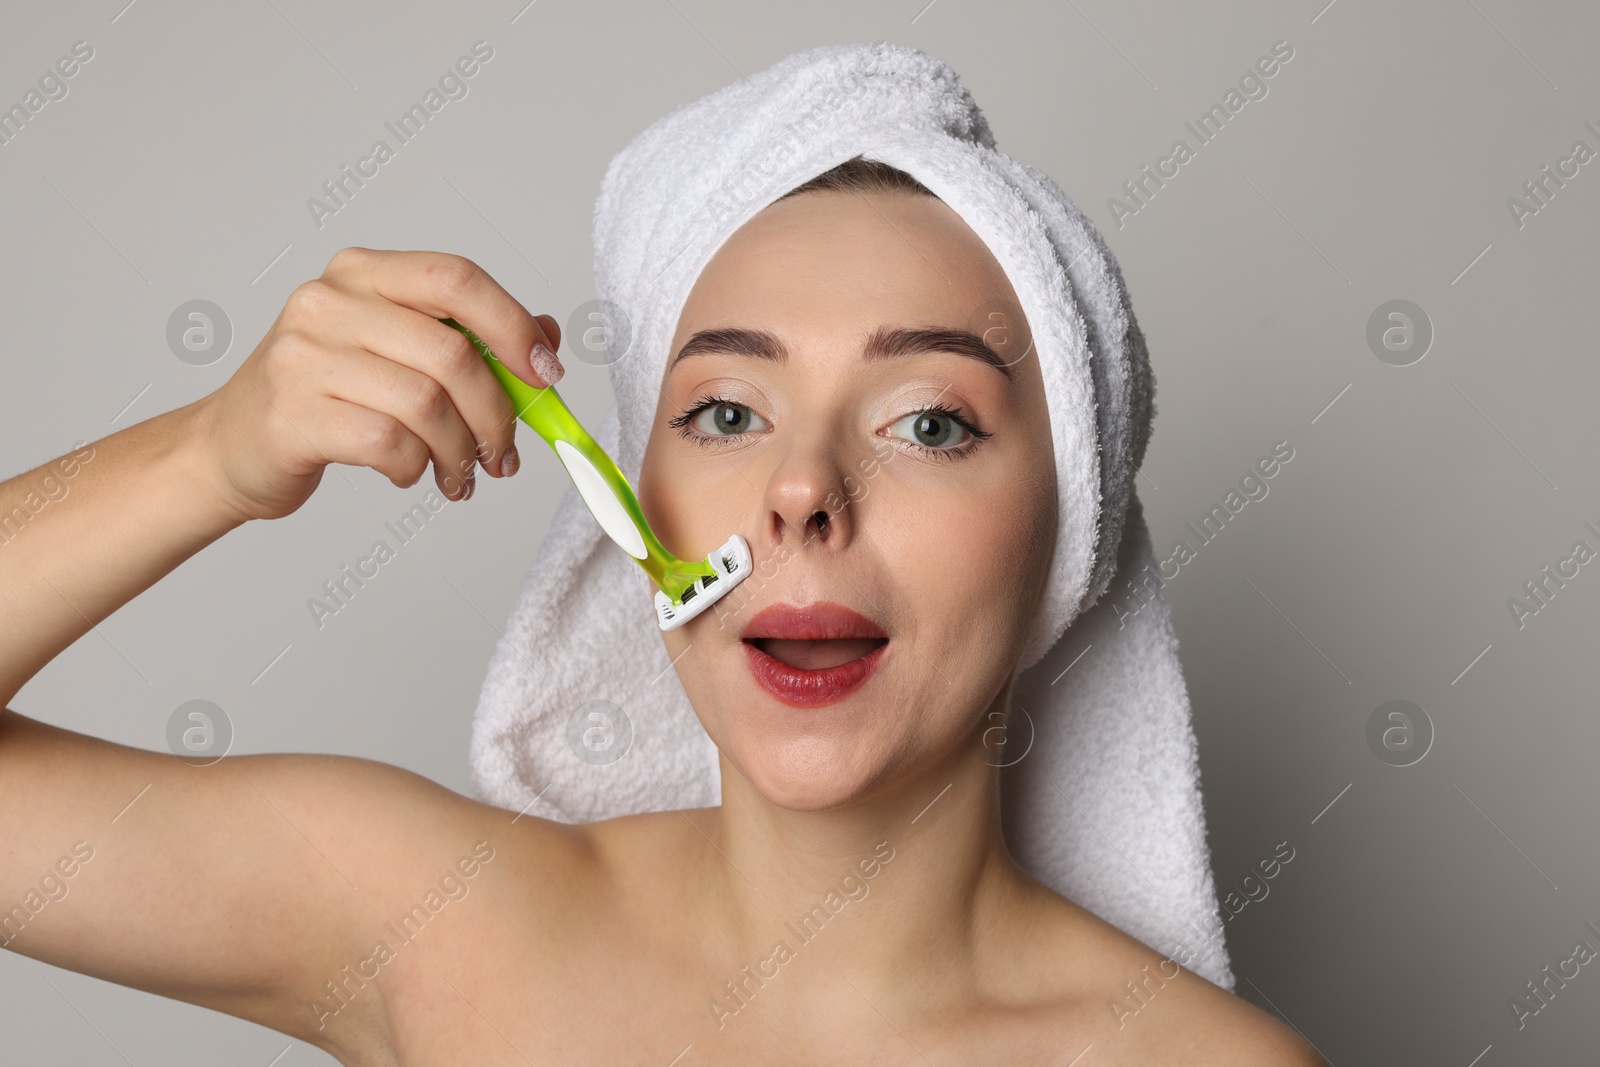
(810, 674)
(811, 655)
(816, 655)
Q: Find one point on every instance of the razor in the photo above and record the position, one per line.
(684, 588)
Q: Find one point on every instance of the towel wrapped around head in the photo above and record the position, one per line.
(1104, 807)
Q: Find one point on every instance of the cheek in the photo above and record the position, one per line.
(975, 555)
(661, 496)
(691, 504)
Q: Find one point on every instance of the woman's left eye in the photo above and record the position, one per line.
(942, 432)
(934, 429)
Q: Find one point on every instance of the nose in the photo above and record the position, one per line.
(811, 497)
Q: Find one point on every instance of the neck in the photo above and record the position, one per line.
(866, 892)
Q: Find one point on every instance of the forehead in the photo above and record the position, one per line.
(849, 256)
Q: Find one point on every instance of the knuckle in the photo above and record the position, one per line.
(382, 436)
(346, 259)
(455, 352)
(429, 400)
(293, 346)
(309, 300)
(452, 273)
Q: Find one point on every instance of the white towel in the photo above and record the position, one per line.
(1105, 807)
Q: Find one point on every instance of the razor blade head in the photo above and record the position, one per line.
(732, 564)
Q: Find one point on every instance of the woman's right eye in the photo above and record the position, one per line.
(714, 417)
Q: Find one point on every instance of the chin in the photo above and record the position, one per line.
(807, 774)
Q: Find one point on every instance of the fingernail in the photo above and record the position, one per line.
(545, 364)
(466, 494)
(509, 462)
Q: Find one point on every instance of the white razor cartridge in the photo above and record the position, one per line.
(732, 564)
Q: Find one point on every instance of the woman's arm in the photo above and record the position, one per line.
(136, 504)
(244, 885)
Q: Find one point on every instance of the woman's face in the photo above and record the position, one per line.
(939, 535)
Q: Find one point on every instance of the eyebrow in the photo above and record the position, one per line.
(883, 343)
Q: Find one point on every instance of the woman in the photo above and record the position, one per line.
(605, 943)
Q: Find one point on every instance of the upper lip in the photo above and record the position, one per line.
(820, 621)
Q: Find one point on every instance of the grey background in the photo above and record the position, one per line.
(1419, 498)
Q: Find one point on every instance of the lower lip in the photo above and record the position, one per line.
(811, 689)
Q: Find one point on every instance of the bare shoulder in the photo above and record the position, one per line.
(407, 822)
(557, 873)
(428, 828)
(254, 885)
(1209, 1025)
(1130, 1004)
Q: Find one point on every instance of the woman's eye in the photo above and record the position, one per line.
(938, 432)
(934, 429)
(724, 419)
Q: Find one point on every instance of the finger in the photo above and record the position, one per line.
(444, 285)
(428, 346)
(417, 401)
(361, 437)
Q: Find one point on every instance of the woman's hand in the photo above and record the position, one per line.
(358, 369)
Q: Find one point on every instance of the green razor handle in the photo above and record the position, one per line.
(687, 587)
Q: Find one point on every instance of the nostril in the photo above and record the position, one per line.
(819, 522)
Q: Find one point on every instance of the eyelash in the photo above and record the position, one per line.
(682, 424)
